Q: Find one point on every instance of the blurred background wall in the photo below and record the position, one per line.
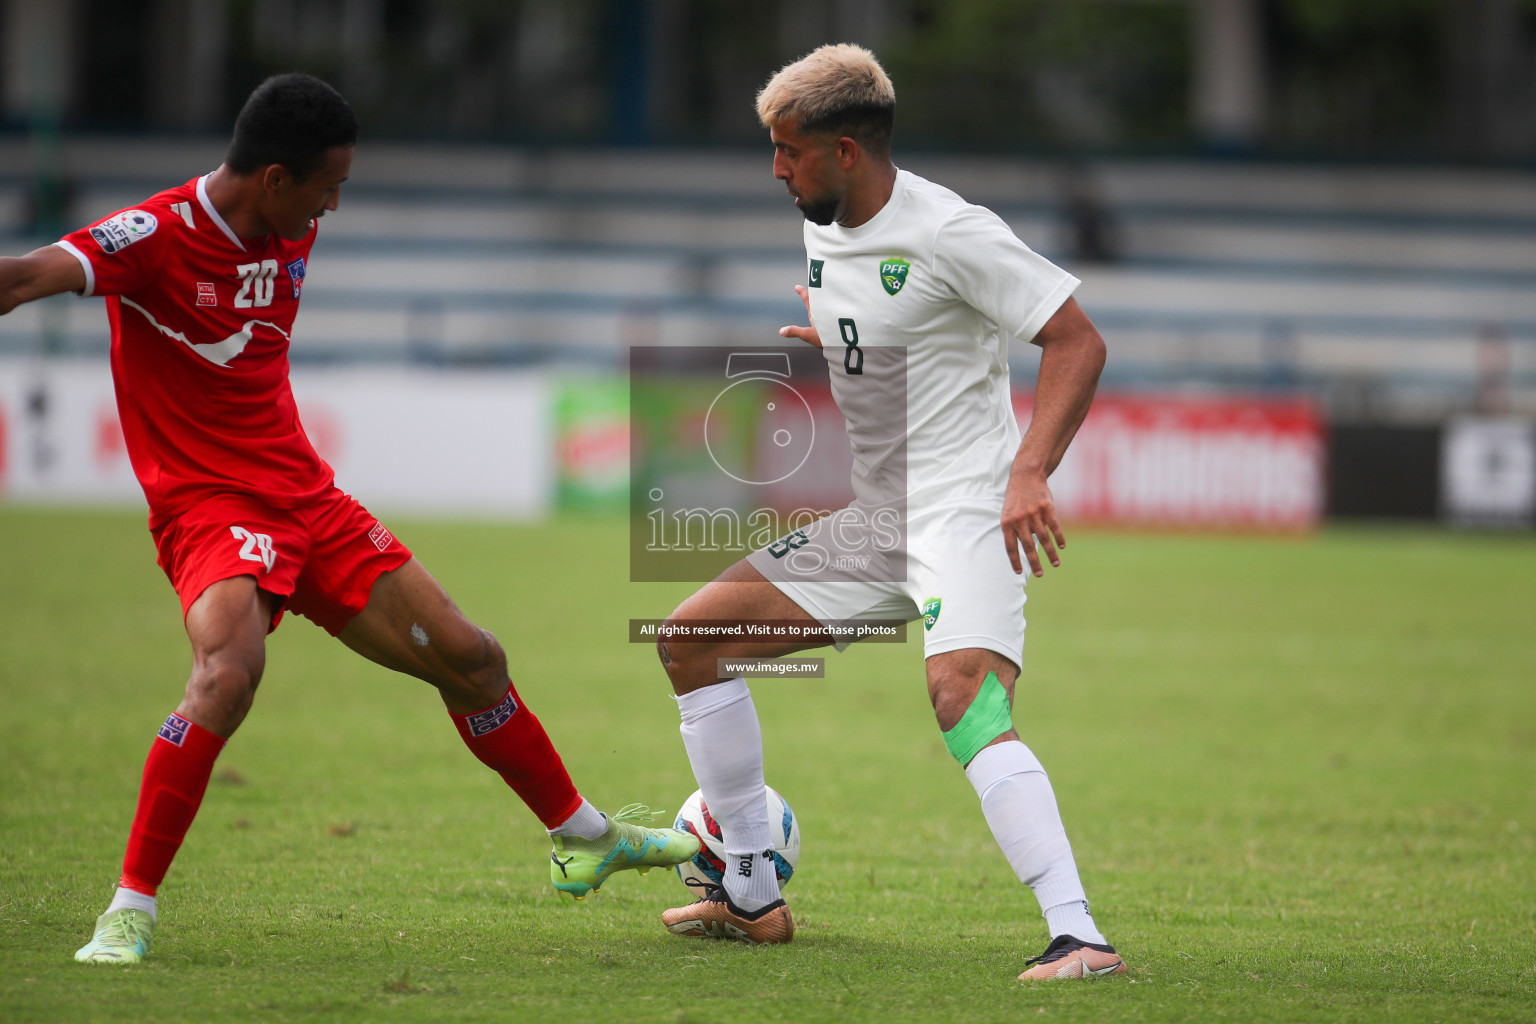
(1417, 79)
(1273, 204)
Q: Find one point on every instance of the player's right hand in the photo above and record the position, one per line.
(809, 335)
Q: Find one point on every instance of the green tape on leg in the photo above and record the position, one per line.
(985, 720)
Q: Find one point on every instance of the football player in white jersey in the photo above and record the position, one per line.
(925, 291)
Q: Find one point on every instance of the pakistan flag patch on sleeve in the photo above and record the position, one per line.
(893, 273)
(931, 609)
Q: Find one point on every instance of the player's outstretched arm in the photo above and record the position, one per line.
(1071, 359)
(41, 272)
(809, 335)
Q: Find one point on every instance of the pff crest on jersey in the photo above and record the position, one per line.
(893, 273)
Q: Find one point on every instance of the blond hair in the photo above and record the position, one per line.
(840, 88)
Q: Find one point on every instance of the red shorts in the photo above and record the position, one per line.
(320, 560)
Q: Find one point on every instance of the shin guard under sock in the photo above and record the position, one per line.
(508, 739)
(175, 778)
(1020, 808)
(725, 747)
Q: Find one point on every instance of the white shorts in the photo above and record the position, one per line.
(955, 557)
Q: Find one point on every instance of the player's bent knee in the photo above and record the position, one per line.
(988, 717)
(220, 692)
(470, 663)
(227, 678)
(678, 657)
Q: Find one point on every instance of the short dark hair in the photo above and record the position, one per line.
(292, 120)
(870, 124)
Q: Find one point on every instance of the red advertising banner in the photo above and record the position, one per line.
(1226, 463)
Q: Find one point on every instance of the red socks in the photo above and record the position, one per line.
(175, 778)
(507, 738)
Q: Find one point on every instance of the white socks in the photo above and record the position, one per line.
(1020, 808)
(587, 823)
(127, 899)
(725, 747)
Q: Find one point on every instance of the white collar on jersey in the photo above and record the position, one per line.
(882, 217)
(207, 205)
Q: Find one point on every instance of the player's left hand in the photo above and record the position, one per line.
(809, 335)
(1029, 512)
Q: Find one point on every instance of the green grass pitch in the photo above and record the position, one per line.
(1300, 777)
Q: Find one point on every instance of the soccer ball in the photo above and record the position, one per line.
(708, 865)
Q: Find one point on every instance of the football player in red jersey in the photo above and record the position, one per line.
(202, 283)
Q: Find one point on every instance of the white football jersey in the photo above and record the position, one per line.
(937, 286)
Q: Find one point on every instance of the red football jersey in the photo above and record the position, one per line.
(200, 327)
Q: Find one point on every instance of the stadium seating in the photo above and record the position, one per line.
(1396, 290)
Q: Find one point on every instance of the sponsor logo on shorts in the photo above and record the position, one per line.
(296, 275)
(118, 232)
(495, 718)
(381, 536)
(931, 609)
(206, 296)
(175, 729)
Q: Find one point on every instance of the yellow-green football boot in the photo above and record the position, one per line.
(122, 937)
(579, 866)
